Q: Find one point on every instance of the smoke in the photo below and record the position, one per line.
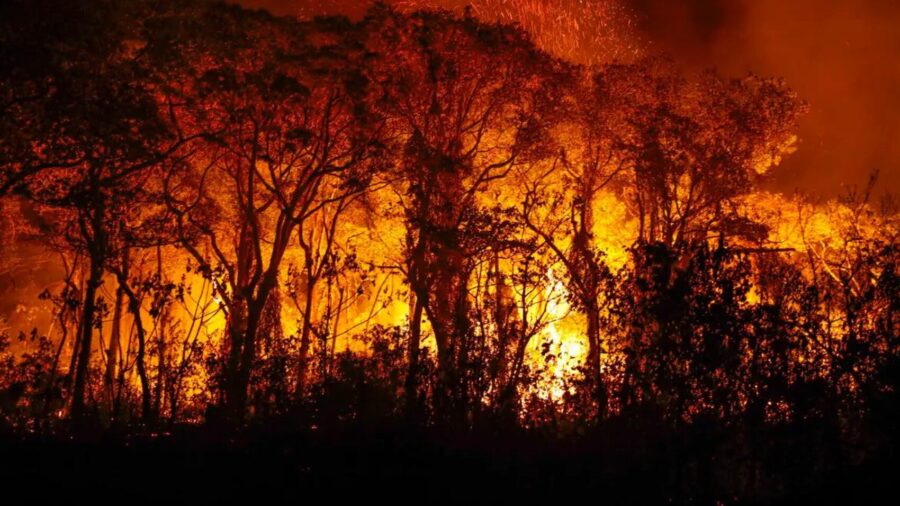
(840, 55)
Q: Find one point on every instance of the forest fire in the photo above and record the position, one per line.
(483, 224)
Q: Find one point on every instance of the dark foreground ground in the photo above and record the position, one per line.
(190, 465)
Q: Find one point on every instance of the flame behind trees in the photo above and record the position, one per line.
(246, 155)
(89, 140)
(288, 130)
(469, 104)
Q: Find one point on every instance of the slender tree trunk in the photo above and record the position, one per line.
(76, 333)
(412, 353)
(52, 392)
(303, 362)
(335, 329)
(595, 349)
(162, 368)
(93, 232)
(146, 410)
(583, 245)
(86, 333)
(134, 307)
(500, 364)
(112, 352)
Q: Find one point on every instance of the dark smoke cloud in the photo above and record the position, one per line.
(840, 55)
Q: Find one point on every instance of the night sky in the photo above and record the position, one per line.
(840, 55)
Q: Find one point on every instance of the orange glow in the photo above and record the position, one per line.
(514, 191)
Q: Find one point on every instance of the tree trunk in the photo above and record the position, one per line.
(112, 352)
(162, 363)
(448, 312)
(246, 355)
(161, 368)
(305, 332)
(412, 374)
(76, 333)
(240, 383)
(134, 307)
(590, 286)
(595, 349)
(86, 334)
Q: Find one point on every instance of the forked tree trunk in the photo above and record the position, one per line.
(85, 339)
(134, 307)
(97, 257)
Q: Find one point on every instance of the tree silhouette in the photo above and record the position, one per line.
(467, 103)
(288, 131)
(414, 244)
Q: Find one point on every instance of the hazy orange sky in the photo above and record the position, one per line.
(840, 55)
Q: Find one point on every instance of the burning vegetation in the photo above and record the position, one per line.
(220, 218)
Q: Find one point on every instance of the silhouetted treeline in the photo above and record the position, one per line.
(423, 221)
